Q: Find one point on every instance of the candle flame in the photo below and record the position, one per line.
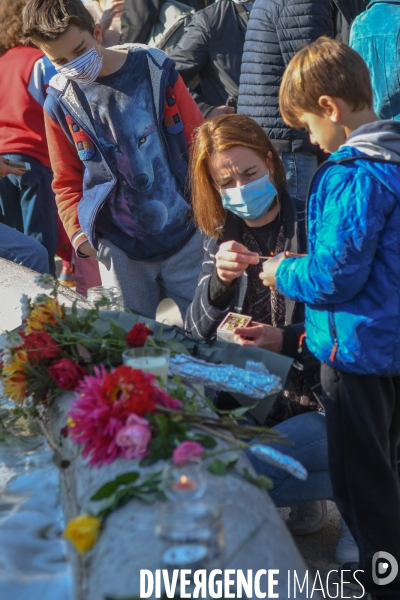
(183, 479)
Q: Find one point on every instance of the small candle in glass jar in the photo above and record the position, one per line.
(184, 484)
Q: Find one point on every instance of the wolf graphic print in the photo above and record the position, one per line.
(146, 215)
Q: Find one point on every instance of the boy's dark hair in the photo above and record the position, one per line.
(46, 20)
(11, 24)
(325, 67)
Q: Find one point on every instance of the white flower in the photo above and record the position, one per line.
(45, 281)
(25, 306)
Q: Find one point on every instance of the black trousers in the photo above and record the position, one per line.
(363, 427)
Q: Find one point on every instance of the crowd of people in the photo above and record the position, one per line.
(165, 147)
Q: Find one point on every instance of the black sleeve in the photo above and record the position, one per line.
(300, 23)
(191, 54)
(219, 293)
(202, 318)
(137, 20)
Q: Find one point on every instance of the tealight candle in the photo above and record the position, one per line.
(150, 360)
(184, 484)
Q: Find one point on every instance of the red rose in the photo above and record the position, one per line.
(40, 345)
(138, 335)
(66, 373)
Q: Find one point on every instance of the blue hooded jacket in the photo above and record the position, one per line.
(375, 35)
(350, 280)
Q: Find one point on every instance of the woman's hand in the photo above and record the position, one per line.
(270, 267)
(6, 170)
(232, 259)
(260, 336)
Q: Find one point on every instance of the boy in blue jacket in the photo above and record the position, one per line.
(350, 283)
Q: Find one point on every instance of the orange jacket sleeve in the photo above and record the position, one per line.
(188, 109)
(68, 178)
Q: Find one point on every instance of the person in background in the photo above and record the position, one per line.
(27, 200)
(350, 282)
(210, 52)
(108, 14)
(16, 246)
(119, 124)
(375, 35)
(139, 17)
(276, 30)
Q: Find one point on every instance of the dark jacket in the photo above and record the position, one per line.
(277, 29)
(139, 16)
(211, 48)
(202, 318)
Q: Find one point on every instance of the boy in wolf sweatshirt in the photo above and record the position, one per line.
(119, 122)
(350, 283)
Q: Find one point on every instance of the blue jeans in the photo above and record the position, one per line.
(300, 168)
(28, 204)
(23, 250)
(307, 432)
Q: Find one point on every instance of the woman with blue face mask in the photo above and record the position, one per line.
(240, 201)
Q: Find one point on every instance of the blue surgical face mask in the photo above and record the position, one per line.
(250, 201)
(83, 69)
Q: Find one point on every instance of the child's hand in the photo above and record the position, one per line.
(232, 259)
(87, 248)
(6, 170)
(270, 267)
(260, 336)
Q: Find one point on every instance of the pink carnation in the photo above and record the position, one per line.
(134, 437)
(186, 452)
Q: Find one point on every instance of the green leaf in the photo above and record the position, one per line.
(106, 490)
(205, 440)
(260, 481)
(217, 467)
(220, 466)
(127, 477)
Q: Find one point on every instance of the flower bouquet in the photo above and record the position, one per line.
(56, 347)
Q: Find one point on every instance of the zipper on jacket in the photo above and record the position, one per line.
(335, 346)
(102, 201)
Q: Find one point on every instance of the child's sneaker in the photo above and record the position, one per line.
(66, 277)
(307, 518)
(347, 549)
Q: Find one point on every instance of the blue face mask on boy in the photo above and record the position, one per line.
(250, 201)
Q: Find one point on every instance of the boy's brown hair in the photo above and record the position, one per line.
(46, 20)
(217, 135)
(326, 67)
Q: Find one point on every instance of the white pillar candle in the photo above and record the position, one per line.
(157, 365)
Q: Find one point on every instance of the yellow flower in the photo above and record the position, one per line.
(42, 314)
(83, 532)
(14, 377)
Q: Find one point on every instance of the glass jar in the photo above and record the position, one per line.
(191, 535)
(183, 483)
(150, 360)
(112, 295)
